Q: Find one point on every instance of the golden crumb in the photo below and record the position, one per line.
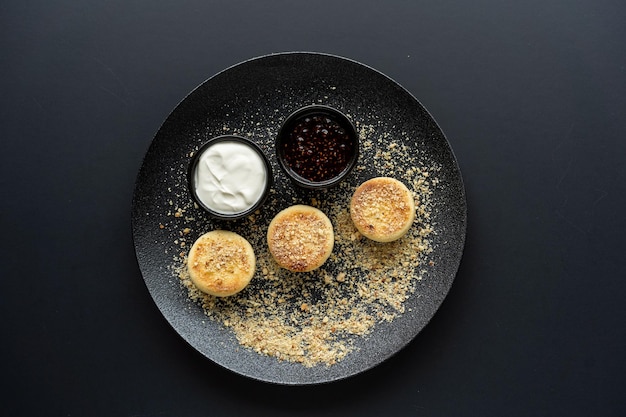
(221, 263)
(317, 317)
(382, 209)
(300, 238)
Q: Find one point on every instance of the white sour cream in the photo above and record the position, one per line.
(230, 177)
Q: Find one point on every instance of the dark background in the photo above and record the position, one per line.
(531, 95)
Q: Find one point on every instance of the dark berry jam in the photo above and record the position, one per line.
(318, 148)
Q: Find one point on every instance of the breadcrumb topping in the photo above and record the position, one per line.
(300, 238)
(220, 263)
(315, 318)
(382, 209)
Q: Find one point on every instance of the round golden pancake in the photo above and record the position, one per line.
(221, 263)
(300, 238)
(382, 209)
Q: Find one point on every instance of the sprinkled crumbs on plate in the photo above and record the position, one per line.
(314, 318)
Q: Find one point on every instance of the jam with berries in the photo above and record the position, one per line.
(318, 147)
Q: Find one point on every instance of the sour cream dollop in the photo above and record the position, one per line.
(230, 177)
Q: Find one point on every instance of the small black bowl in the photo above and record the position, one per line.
(192, 180)
(317, 147)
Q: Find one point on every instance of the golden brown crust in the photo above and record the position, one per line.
(300, 238)
(221, 263)
(382, 209)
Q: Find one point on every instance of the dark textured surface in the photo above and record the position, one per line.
(531, 96)
(207, 110)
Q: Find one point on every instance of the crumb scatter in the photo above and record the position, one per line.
(315, 318)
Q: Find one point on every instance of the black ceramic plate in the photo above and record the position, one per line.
(252, 98)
